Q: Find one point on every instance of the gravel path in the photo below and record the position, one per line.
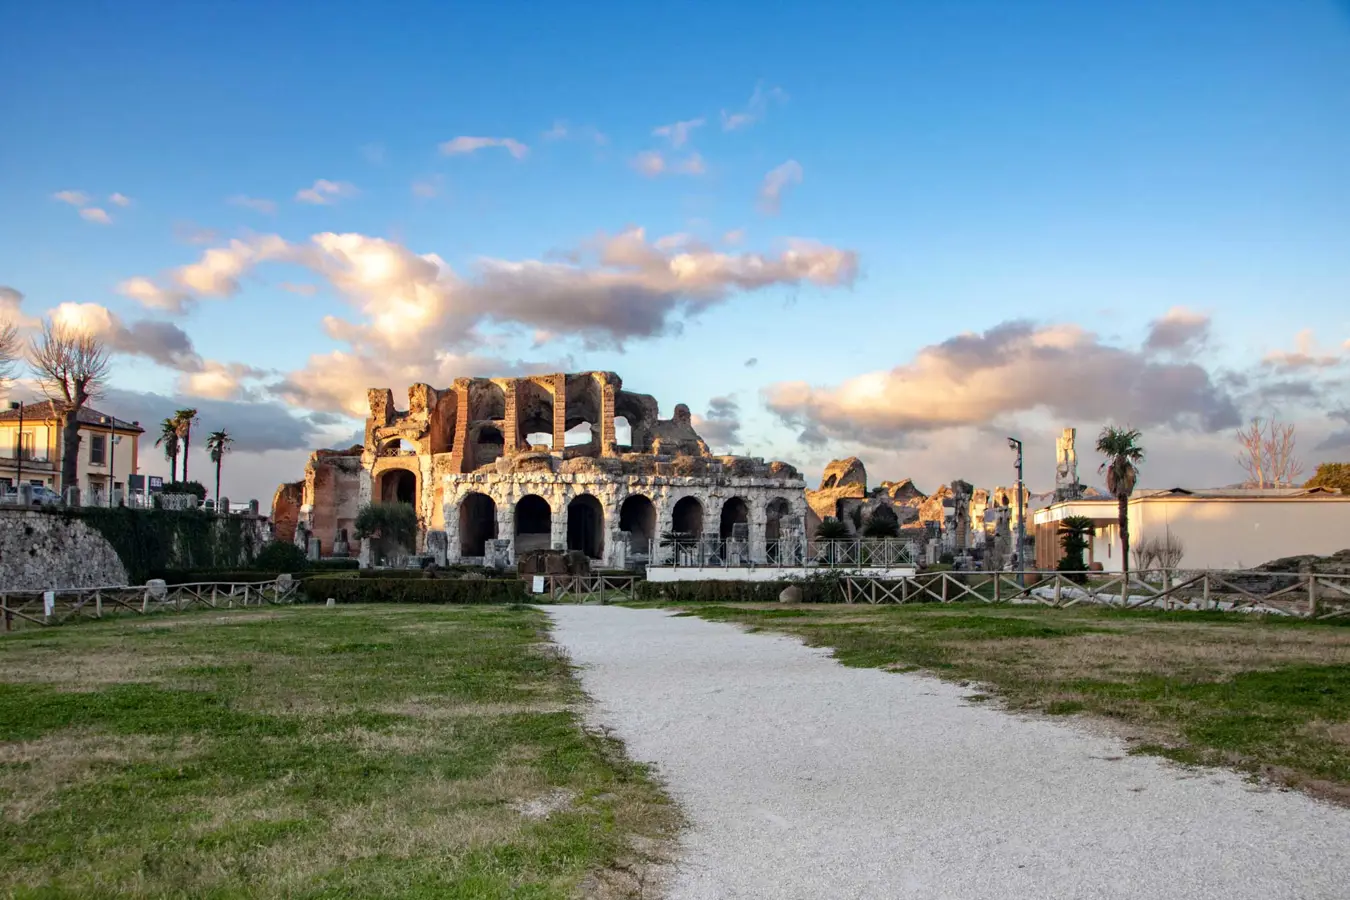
(805, 779)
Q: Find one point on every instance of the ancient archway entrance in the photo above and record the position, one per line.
(637, 516)
(687, 517)
(734, 512)
(534, 524)
(586, 526)
(477, 524)
(398, 486)
(777, 510)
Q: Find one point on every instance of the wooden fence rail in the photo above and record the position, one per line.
(592, 588)
(1305, 595)
(44, 608)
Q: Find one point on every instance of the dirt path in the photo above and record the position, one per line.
(805, 779)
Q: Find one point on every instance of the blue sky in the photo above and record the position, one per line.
(1093, 165)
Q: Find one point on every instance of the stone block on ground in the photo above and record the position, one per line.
(790, 594)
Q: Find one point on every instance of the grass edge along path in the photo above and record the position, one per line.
(312, 753)
(1266, 695)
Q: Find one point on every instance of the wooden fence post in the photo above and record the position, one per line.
(1312, 596)
(1205, 592)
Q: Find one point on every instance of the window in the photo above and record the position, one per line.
(98, 449)
(26, 445)
(38, 482)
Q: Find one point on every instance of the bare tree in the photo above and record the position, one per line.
(1169, 551)
(1267, 454)
(72, 367)
(10, 350)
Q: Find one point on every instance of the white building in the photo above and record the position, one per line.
(31, 448)
(1217, 529)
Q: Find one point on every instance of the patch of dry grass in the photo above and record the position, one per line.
(390, 752)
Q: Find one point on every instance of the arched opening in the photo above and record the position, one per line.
(477, 524)
(735, 512)
(534, 524)
(637, 516)
(580, 434)
(397, 446)
(623, 433)
(829, 482)
(443, 420)
(777, 510)
(687, 517)
(586, 526)
(487, 400)
(534, 415)
(398, 486)
(488, 444)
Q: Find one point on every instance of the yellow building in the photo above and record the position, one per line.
(31, 448)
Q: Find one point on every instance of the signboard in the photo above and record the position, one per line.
(156, 484)
(48, 604)
(538, 586)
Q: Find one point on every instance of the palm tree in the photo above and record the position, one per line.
(168, 439)
(218, 444)
(184, 419)
(1123, 455)
(1074, 535)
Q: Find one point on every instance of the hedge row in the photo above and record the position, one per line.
(408, 590)
(734, 591)
(447, 572)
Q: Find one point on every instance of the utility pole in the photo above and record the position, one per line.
(1016, 446)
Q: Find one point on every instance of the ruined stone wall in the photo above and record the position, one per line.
(332, 495)
(40, 551)
(286, 503)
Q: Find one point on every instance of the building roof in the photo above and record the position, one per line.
(1221, 495)
(50, 409)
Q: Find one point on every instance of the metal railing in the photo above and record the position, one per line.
(798, 552)
(1304, 595)
(54, 607)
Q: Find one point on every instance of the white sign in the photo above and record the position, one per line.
(538, 584)
(49, 603)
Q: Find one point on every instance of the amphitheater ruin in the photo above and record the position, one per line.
(498, 467)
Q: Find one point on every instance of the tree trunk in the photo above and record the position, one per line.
(173, 468)
(70, 451)
(217, 483)
(1124, 518)
(187, 445)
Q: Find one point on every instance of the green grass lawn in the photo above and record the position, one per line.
(1263, 694)
(310, 752)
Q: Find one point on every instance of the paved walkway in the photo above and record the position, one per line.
(805, 779)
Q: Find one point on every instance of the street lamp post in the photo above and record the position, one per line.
(18, 449)
(113, 439)
(1016, 446)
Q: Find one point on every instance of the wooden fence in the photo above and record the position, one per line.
(21, 608)
(1306, 594)
(592, 588)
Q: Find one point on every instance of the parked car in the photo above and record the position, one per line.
(42, 495)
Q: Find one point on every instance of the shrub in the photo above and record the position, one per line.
(336, 564)
(832, 530)
(813, 591)
(187, 487)
(883, 523)
(200, 576)
(420, 590)
(388, 526)
(279, 556)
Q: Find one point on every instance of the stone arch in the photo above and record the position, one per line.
(735, 511)
(585, 407)
(534, 524)
(687, 517)
(398, 485)
(487, 401)
(397, 445)
(777, 509)
(477, 523)
(623, 433)
(534, 413)
(586, 526)
(488, 443)
(444, 418)
(637, 516)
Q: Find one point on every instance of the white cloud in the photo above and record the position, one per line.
(1305, 355)
(74, 198)
(1180, 331)
(323, 192)
(464, 145)
(678, 132)
(257, 204)
(219, 381)
(427, 188)
(775, 183)
(162, 342)
(11, 309)
(216, 274)
(651, 163)
(755, 109)
(96, 215)
(562, 131)
(119, 199)
(1016, 367)
(557, 132)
